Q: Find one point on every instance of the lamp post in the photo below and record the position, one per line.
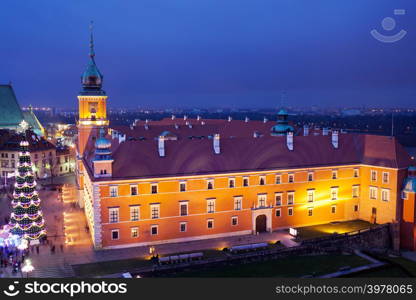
(27, 267)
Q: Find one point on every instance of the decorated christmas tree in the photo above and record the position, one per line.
(26, 218)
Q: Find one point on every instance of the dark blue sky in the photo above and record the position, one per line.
(233, 53)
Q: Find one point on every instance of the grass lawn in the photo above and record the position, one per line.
(310, 232)
(294, 266)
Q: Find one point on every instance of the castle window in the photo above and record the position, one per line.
(385, 194)
(385, 177)
(334, 193)
(134, 232)
(210, 205)
(133, 190)
(210, 223)
(234, 221)
(237, 202)
(182, 186)
(115, 234)
(154, 211)
(245, 181)
(113, 215)
(310, 194)
(291, 178)
(182, 227)
(373, 175)
(334, 174)
(356, 173)
(183, 208)
(231, 182)
(210, 184)
(278, 179)
(290, 211)
(278, 212)
(113, 190)
(154, 230)
(355, 191)
(373, 192)
(333, 209)
(134, 213)
(278, 198)
(310, 212)
(310, 176)
(262, 200)
(262, 180)
(356, 207)
(290, 198)
(154, 188)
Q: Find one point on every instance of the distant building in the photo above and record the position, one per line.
(11, 115)
(183, 179)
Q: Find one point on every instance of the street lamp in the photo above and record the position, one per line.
(27, 267)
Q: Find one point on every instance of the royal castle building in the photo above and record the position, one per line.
(186, 179)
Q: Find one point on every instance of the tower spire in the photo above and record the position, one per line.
(92, 53)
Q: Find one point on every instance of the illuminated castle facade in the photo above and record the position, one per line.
(184, 179)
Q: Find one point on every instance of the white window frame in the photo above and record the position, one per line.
(210, 200)
(291, 175)
(212, 184)
(310, 194)
(373, 178)
(185, 203)
(356, 171)
(151, 188)
(262, 178)
(132, 229)
(310, 211)
(113, 191)
(248, 181)
(387, 193)
(117, 210)
(118, 234)
(278, 179)
(184, 184)
(278, 194)
(234, 218)
(132, 207)
(290, 211)
(334, 189)
(134, 186)
(371, 190)
(310, 174)
(260, 198)
(334, 172)
(212, 221)
(388, 177)
(152, 206)
(333, 209)
(280, 212)
(293, 198)
(180, 226)
(151, 229)
(229, 182)
(236, 199)
(355, 191)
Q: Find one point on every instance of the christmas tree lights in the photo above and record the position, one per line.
(26, 219)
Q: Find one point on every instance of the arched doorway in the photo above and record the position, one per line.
(261, 222)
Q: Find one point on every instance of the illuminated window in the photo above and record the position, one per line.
(234, 221)
(356, 173)
(154, 188)
(113, 215)
(386, 177)
(278, 198)
(385, 195)
(278, 179)
(154, 211)
(113, 191)
(231, 182)
(210, 223)
(134, 213)
(290, 211)
(291, 178)
(182, 186)
(134, 232)
(355, 191)
(261, 200)
(290, 198)
(262, 180)
(310, 176)
(238, 202)
(133, 190)
(334, 193)
(278, 212)
(154, 229)
(183, 208)
(182, 226)
(310, 211)
(311, 195)
(210, 205)
(373, 175)
(115, 234)
(373, 192)
(333, 209)
(334, 174)
(245, 181)
(210, 184)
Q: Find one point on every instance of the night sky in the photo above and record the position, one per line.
(205, 53)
